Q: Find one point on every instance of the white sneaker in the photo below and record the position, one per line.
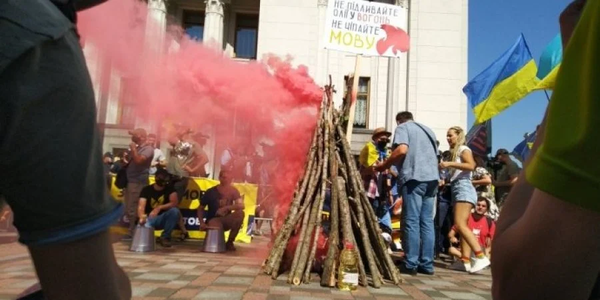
(479, 264)
(459, 265)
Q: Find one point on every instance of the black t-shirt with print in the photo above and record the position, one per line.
(155, 198)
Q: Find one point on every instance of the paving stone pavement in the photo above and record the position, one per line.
(184, 272)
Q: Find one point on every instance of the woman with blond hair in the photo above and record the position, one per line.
(464, 197)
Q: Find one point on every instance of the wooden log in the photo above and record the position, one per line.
(277, 262)
(282, 235)
(288, 227)
(353, 172)
(364, 234)
(297, 274)
(301, 242)
(347, 233)
(328, 277)
(321, 198)
(383, 255)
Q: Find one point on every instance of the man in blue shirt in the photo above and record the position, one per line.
(416, 159)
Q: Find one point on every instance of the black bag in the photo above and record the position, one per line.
(121, 180)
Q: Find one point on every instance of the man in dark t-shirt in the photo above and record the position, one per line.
(225, 208)
(157, 207)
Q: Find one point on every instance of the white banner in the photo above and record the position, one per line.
(367, 28)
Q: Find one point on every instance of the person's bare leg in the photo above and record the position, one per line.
(462, 210)
(83, 269)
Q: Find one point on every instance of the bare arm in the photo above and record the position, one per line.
(137, 158)
(533, 243)
(467, 164)
(511, 182)
(67, 272)
(201, 216)
(396, 157)
(485, 180)
(238, 204)
(141, 210)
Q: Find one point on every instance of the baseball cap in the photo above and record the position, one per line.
(138, 132)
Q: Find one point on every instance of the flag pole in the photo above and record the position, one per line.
(547, 96)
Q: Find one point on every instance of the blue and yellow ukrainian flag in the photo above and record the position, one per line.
(521, 151)
(549, 64)
(504, 83)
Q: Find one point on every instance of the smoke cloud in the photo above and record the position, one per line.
(200, 87)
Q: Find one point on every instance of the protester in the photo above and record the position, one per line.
(417, 162)
(47, 110)
(507, 176)
(464, 197)
(225, 208)
(120, 163)
(546, 245)
(183, 160)
(159, 159)
(481, 226)
(376, 183)
(444, 219)
(482, 180)
(138, 172)
(157, 207)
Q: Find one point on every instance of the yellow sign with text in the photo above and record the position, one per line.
(190, 203)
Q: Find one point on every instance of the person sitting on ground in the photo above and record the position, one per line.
(157, 207)
(225, 208)
(482, 226)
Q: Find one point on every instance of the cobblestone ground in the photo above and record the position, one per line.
(184, 272)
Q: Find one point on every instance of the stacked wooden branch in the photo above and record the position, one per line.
(330, 165)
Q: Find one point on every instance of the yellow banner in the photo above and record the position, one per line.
(191, 201)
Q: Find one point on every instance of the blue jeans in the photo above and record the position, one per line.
(418, 234)
(167, 221)
(443, 224)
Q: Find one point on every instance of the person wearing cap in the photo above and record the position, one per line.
(484, 229)
(507, 176)
(47, 110)
(138, 173)
(157, 207)
(416, 158)
(376, 183)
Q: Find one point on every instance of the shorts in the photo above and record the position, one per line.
(49, 141)
(463, 191)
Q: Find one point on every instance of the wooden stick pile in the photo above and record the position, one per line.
(352, 219)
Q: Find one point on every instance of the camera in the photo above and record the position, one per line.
(494, 164)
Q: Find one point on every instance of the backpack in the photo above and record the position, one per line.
(121, 180)
(490, 223)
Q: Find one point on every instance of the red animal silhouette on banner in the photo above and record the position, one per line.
(396, 38)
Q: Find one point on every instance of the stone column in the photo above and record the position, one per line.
(213, 23)
(322, 68)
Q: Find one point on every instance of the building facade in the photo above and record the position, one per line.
(427, 81)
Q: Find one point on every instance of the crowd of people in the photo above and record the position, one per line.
(446, 200)
(156, 205)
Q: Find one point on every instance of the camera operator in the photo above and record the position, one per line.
(505, 177)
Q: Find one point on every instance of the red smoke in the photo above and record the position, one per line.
(199, 86)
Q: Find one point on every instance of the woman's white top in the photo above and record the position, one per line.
(456, 173)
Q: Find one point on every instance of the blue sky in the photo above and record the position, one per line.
(493, 27)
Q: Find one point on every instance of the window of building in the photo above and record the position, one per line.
(246, 36)
(193, 24)
(361, 112)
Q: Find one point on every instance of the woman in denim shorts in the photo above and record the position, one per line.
(464, 196)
